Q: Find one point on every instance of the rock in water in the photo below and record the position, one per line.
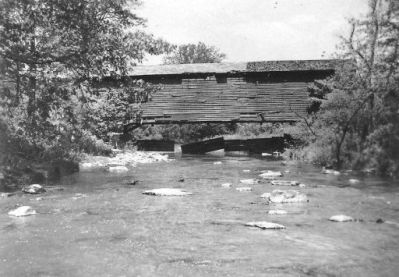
(341, 218)
(266, 195)
(33, 189)
(79, 196)
(330, 171)
(285, 196)
(265, 225)
(277, 212)
(249, 181)
(22, 211)
(270, 174)
(244, 189)
(284, 183)
(226, 185)
(353, 181)
(118, 169)
(167, 192)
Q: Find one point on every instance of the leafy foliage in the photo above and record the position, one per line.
(51, 53)
(358, 122)
(195, 53)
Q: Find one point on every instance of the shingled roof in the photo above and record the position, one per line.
(218, 68)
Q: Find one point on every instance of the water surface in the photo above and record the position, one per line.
(101, 226)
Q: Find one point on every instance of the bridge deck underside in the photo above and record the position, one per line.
(237, 100)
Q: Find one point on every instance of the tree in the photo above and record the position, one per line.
(51, 54)
(191, 53)
(358, 121)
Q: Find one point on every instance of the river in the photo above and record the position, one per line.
(98, 225)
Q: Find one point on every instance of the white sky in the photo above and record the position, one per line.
(253, 30)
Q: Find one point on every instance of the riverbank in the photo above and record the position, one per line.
(121, 160)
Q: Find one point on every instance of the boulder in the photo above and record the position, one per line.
(244, 189)
(265, 225)
(33, 189)
(285, 196)
(249, 181)
(330, 171)
(341, 218)
(167, 192)
(226, 185)
(132, 182)
(270, 174)
(118, 169)
(277, 212)
(22, 211)
(266, 195)
(353, 181)
(79, 196)
(284, 183)
(89, 166)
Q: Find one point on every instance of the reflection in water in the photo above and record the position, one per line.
(115, 230)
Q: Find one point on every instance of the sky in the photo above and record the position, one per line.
(253, 30)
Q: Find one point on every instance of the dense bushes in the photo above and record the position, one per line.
(357, 125)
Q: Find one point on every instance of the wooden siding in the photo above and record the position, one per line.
(202, 99)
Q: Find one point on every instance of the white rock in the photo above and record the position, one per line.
(244, 189)
(226, 185)
(79, 196)
(330, 171)
(88, 166)
(249, 181)
(353, 181)
(266, 195)
(33, 189)
(265, 225)
(341, 218)
(277, 212)
(286, 196)
(22, 211)
(118, 169)
(217, 163)
(167, 192)
(270, 173)
(284, 183)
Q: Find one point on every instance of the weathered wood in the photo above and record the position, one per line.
(271, 91)
(156, 145)
(203, 146)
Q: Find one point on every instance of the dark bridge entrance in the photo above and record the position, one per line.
(274, 91)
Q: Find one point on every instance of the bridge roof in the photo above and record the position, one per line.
(241, 67)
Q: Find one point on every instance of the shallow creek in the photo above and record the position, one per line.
(101, 226)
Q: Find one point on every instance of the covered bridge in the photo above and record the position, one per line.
(268, 91)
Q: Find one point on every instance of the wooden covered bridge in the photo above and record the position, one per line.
(269, 91)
